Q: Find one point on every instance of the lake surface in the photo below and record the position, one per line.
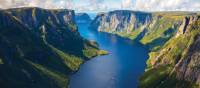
(120, 69)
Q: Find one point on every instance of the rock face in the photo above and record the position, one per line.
(52, 24)
(82, 18)
(187, 67)
(180, 55)
(173, 39)
(120, 21)
(186, 21)
(39, 48)
(147, 28)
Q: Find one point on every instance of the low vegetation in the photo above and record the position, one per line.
(159, 73)
(71, 61)
(1, 62)
(154, 77)
(92, 52)
(163, 29)
(56, 77)
(40, 50)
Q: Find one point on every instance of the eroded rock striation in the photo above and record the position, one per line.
(177, 62)
(173, 39)
(147, 28)
(120, 21)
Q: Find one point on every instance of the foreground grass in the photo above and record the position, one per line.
(154, 77)
(71, 61)
(1, 62)
(159, 72)
(56, 77)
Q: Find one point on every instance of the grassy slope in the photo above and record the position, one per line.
(57, 77)
(1, 62)
(149, 80)
(158, 31)
(90, 52)
(159, 38)
(159, 28)
(73, 62)
(27, 61)
(168, 56)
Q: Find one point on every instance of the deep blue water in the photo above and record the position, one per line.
(120, 69)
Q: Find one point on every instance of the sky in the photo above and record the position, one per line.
(106, 5)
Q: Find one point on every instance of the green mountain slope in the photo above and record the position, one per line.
(173, 41)
(176, 64)
(152, 29)
(39, 48)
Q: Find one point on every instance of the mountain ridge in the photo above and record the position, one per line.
(172, 39)
(40, 48)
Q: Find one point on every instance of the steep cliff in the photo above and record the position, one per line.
(120, 21)
(151, 29)
(173, 39)
(176, 64)
(39, 48)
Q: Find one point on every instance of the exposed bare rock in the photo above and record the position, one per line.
(189, 67)
(120, 21)
(182, 55)
(39, 48)
(185, 24)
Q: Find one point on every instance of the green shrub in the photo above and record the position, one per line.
(1, 62)
(57, 77)
(153, 77)
(71, 61)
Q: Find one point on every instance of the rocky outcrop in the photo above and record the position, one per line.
(173, 39)
(180, 55)
(120, 21)
(187, 67)
(53, 23)
(186, 21)
(35, 17)
(82, 18)
(183, 26)
(152, 29)
(39, 48)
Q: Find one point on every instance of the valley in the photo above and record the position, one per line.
(40, 48)
(122, 67)
(171, 37)
(58, 48)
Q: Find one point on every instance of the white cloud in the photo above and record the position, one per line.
(35, 3)
(84, 5)
(167, 5)
(126, 3)
(5, 3)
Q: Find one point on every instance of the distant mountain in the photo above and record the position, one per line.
(82, 18)
(172, 37)
(120, 21)
(39, 48)
(148, 28)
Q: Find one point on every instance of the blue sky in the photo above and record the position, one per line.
(106, 5)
